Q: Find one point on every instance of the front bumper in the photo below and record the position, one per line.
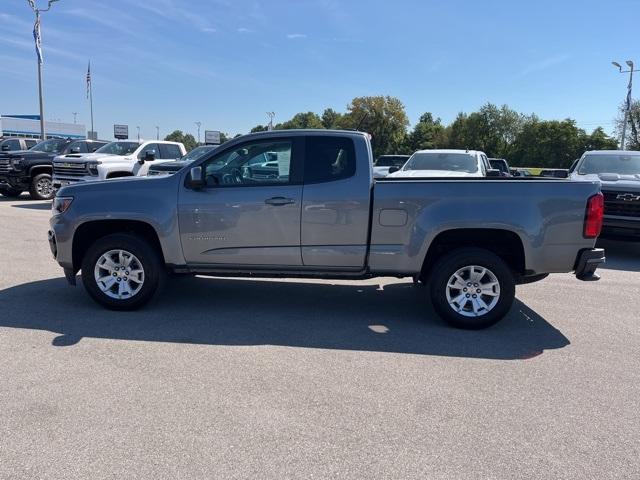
(621, 227)
(587, 262)
(18, 181)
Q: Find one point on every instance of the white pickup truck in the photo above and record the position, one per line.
(123, 158)
(444, 164)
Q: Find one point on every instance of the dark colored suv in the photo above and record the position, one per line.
(32, 169)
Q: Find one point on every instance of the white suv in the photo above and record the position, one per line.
(122, 158)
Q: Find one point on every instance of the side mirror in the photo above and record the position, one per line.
(562, 174)
(394, 169)
(195, 180)
(494, 172)
(5, 148)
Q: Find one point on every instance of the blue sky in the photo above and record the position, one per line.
(225, 63)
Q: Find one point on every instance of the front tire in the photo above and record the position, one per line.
(41, 187)
(121, 272)
(472, 288)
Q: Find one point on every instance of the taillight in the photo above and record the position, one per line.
(594, 216)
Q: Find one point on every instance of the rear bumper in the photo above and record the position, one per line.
(587, 263)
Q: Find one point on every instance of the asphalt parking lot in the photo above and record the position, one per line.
(312, 379)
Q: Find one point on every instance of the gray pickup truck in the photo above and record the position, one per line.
(305, 204)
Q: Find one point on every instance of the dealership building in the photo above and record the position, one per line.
(29, 126)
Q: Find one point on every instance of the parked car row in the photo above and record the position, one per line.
(32, 169)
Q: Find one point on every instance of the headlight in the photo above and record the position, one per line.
(17, 163)
(61, 205)
(93, 168)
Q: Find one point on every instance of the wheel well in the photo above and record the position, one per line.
(119, 174)
(507, 245)
(40, 169)
(89, 232)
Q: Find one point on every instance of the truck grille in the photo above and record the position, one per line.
(70, 169)
(620, 207)
(4, 165)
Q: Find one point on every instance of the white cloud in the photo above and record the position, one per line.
(244, 30)
(544, 64)
(209, 30)
(293, 36)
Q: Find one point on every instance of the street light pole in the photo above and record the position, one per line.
(157, 132)
(138, 134)
(271, 115)
(38, 40)
(627, 110)
(198, 124)
(75, 115)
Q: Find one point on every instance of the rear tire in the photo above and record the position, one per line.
(11, 192)
(41, 187)
(472, 288)
(121, 271)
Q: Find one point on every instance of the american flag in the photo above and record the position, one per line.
(88, 78)
(36, 37)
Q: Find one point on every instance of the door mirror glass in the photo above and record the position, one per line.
(195, 180)
(494, 172)
(393, 169)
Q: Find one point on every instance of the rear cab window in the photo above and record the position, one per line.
(169, 151)
(329, 158)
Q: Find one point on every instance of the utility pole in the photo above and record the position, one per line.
(627, 110)
(157, 132)
(198, 124)
(271, 115)
(38, 40)
(75, 115)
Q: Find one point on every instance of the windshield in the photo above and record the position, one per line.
(456, 162)
(53, 145)
(119, 148)
(198, 152)
(390, 161)
(614, 163)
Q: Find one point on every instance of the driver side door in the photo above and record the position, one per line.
(248, 213)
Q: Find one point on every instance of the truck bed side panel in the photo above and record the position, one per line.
(547, 216)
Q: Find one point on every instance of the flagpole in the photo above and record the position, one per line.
(42, 130)
(93, 132)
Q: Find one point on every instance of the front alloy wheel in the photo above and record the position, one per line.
(122, 271)
(42, 187)
(119, 274)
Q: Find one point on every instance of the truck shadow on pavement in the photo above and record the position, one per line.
(621, 255)
(34, 206)
(214, 311)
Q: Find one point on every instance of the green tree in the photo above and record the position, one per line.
(187, 140)
(383, 117)
(548, 143)
(302, 120)
(599, 140)
(491, 129)
(259, 128)
(427, 133)
(330, 118)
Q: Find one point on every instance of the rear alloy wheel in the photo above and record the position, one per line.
(472, 288)
(42, 187)
(10, 192)
(121, 271)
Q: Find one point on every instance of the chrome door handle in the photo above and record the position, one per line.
(279, 201)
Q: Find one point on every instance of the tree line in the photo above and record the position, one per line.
(500, 132)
